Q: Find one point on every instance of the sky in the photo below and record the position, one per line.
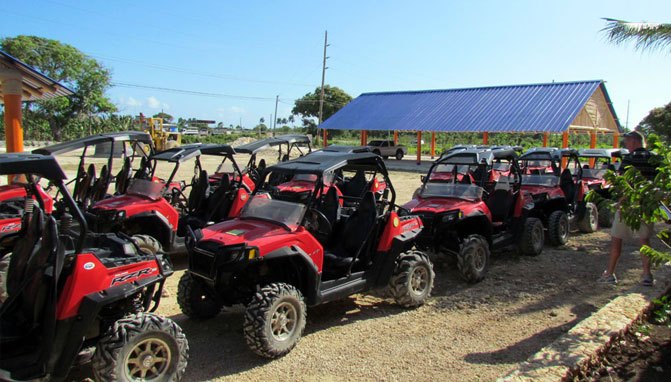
(228, 60)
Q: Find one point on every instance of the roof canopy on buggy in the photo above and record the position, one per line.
(548, 153)
(344, 149)
(602, 153)
(119, 136)
(477, 156)
(44, 166)
(264, 144)
(178, 154)
(213, 149)
(326, 161)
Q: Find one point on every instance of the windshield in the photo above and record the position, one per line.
(284, 213)
(226, 166)
(451, 190)
(146, 188)
(501, 167)
(462, 168)
(593, 173)
(540, 180)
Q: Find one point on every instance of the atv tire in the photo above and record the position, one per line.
(274, 320)
(412, 281)
(399, 154)
(589, 221)
(532, 239)
(141, 346)
(147, 244)
(558, 228)
(195, 300)
(473, 259)
(605, 214)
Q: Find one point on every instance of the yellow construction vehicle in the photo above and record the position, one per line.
(164, 138)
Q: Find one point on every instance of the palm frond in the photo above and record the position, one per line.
(645, 35)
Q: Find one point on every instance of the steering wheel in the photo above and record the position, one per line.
(319, 225)
(253, 174)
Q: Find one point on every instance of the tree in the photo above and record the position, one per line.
(165, 116)
(646, 35)
(308, 105)
(64, 63)
(658, 121)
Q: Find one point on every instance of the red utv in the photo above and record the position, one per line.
(597, 162)
(75, 296)
(159, 209)
(468, 217)
(281, 254)
(129, 148)
(558, 194)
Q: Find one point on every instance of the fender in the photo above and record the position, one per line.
(312, 278)
(90, 276)
(160, 229)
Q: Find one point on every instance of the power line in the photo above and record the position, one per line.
(191, 92)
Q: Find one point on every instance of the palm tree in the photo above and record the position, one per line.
(646, 35)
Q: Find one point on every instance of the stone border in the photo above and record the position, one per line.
(580, 346)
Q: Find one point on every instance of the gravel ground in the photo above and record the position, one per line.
(465, 332)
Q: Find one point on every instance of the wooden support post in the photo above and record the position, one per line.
(419, 147)
(546, 138)
(325, 138)
(395, 137)
(433, 144)
(616, 140)
(564, 144)
(12, 93)
(592, 145)
(365, 137)
(485, 138)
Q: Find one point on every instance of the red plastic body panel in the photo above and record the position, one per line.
(89, 275)
(16, 191)
(267, 237)
(439, 205)
(241, 198)
(396, 226)
(553, 192)
(10, 225)
(135, 204)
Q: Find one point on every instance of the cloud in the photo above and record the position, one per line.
(154, 103)
(130, 101)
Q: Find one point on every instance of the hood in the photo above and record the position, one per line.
(437, 205)
(121, 202)
(239, 231)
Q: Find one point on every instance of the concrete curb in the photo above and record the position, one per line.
(581, 345)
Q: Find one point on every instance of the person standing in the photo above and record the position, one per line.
(638, 157)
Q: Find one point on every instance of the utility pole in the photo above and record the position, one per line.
(277, 99)
(321, 97)
(626, 125)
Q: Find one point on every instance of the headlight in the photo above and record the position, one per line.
(451, 216)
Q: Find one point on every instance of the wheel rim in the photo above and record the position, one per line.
(148, 361)
(537, 236)
(283, 321)
(593, 218)
(419, 280)
(563, 228)
(479, 259)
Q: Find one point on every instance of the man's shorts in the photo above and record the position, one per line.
(622, 231)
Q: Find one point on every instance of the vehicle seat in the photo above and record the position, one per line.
(356, 186)
(330, 206)
(28, 316)
(144, 171)
(355, 234)
(123, 177)
(567, 185)
(220, 201)
(261, 166)
(197, 202)
(101, 185)
(555, 169)
(480, 174)
(24, 249)
(499, 203)
(466, 179)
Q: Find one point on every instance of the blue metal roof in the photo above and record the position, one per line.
(518, 108)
